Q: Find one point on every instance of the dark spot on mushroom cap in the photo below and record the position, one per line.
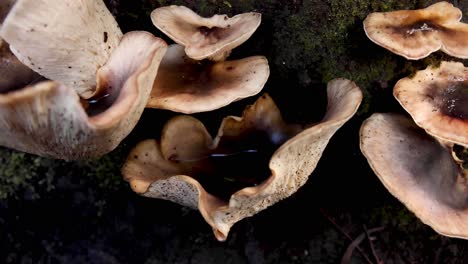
(205, 30)
(451, 100)
(236, 163)
(105, 36)
(455, 101)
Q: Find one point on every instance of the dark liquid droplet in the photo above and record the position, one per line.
(234, 165)
(98, 105)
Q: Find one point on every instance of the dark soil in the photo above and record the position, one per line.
(53, 211)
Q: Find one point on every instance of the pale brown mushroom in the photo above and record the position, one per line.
(419, 171)
(48, 118)
(414, 34)
(174, 168)
(35, 31)
(205, 38)
(437, 99)
(187, 86)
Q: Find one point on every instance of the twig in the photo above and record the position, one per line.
(364, 255)
(355, 244)
(371, 244)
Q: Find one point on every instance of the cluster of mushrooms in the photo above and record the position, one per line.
(423, 161)
(73, 86)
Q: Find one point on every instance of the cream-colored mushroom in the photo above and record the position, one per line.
(173, 169)
(419, 171)
(187, 86)
(437, 99)
(63, 40)
(48, 118)
(205, 38)
(414, 34)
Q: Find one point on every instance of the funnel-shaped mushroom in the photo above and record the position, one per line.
(203, 38)
(414, 34)
(187, 157)
(437, 99)
(63, 40)
(48, 118)
(419, 171)
(187, 86)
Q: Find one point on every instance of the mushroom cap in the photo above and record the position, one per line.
(13, 74)
(414, 34)
(63, 40)
(187, 86)
(48, 118)
(417, 170)
(437, 99)
(212, 38)
(152, 173)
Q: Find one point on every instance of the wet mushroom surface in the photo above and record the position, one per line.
(234, 164)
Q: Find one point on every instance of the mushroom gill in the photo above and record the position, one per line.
(205, 38)
(173, 169)
(414, 34)
(188, 86)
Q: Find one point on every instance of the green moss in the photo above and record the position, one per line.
(24, 175)
(28, 176)
(326, 40)
(105, 171)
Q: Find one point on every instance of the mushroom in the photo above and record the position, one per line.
(205, 38)
(437, 99)
(187, 157)
(63, 40)
(78, 45)
(49, 118)
(414, 34)
(419, 171)
(188, 86)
